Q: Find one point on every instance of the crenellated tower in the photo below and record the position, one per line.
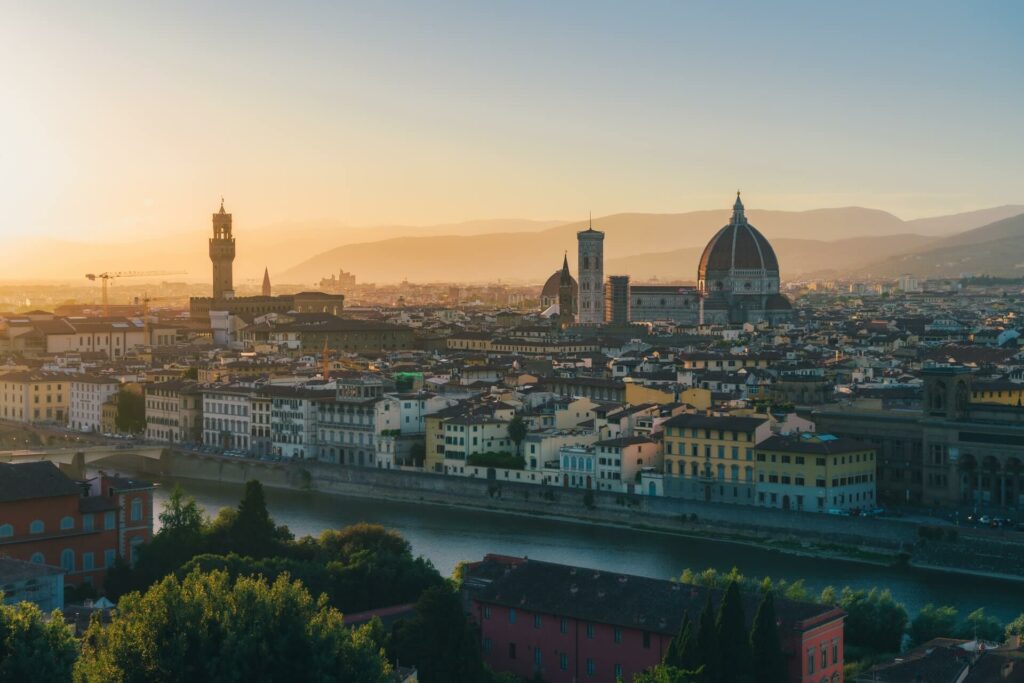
(222, 254)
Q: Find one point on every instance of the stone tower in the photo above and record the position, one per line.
(222, 254)
(591, 275)
(266, 281)
(566, 307)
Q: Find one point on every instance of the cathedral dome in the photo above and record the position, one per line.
(550, 290)
(737, 246)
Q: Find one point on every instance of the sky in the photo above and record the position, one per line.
(120, 120)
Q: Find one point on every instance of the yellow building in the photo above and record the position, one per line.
(711, 457)
(815, 472)
(637, 394)
(1001, 393)
(35, 397)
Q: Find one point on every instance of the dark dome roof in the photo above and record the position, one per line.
(738, 246)
(552, 285)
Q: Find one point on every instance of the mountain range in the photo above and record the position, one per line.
(822, 242)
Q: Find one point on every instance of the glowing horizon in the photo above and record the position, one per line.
(127, 123)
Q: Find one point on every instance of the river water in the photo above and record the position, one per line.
(447, 535)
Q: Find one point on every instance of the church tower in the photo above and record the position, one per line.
(266, 281)
(591, 267)
(566, 303)
(222, 254)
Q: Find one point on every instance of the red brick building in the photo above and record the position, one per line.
(571, 624)
(81, 527)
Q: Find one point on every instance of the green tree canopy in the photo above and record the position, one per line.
(978, 625)
(664, 673)
(933, 622)
(874, 619)
(207, 628)
(517, 431)
(33, 648)
(766, 658)
(248, 529)
(131, 412)
(733, 637)
(440, 641)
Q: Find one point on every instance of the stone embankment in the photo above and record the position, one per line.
(877, 540)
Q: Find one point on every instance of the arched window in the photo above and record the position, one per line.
(67, 523)
(37, 558)
(36, 527)
(67, 560)
(6, 530)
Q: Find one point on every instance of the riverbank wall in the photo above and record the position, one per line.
(875, 540)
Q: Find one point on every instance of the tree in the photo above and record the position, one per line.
(440, 641)
(766, 651)
(131, 412)
(191, 373)
(733, 637)
(1015, 627)
(248, 530)
(207, 629)
(874, 620)
(682, 651)
(979, 626)
(663, 673)
(933, 622)
(33, 648)
(707, 643)
(517, 431)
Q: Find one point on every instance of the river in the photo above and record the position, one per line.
(447, 535)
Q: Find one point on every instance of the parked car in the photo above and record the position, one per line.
(839, 512)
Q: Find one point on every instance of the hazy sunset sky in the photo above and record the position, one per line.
(122, 118)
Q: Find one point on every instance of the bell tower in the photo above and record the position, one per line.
(222, 254)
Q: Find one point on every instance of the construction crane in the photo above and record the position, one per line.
(106, 277)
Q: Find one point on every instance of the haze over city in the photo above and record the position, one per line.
(532, 342)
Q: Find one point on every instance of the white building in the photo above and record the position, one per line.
(174, 411)
(294, 418)
(86, 398)
(227, 416)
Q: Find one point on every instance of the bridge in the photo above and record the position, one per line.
(73, 460)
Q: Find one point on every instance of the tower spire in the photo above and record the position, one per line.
(266, 281)
(738, 217)
(222, 204)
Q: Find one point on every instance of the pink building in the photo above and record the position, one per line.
(572, 624)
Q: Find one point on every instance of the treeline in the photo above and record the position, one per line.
(876, 624)
(238, 598)
(718, 648)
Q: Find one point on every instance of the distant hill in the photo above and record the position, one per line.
(277, 246)
(530, 257)
(995, 249)
(796, 257)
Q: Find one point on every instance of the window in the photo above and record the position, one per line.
(564, 625)
(108, 558)
(67, 560)
(67, 523)
(590, 631)
(536, 621)
(618, 634)
(591, 668)
(37, 558)
(563, 661)
(109, 520)
(618, 671)
(824, 656)
(136, 509)
(87, 562)
(810, 660)
(487, 612)
(487, 645)
(537, 657)
(511, 650)
(86, 522)
(511, 615)
(6, 530)
(647, 640)
(835, 650)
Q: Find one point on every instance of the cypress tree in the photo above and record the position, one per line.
(766, 650)
(733, 638)
(677, 649)
(707, 644)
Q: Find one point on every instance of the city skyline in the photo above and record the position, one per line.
(127, 125)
